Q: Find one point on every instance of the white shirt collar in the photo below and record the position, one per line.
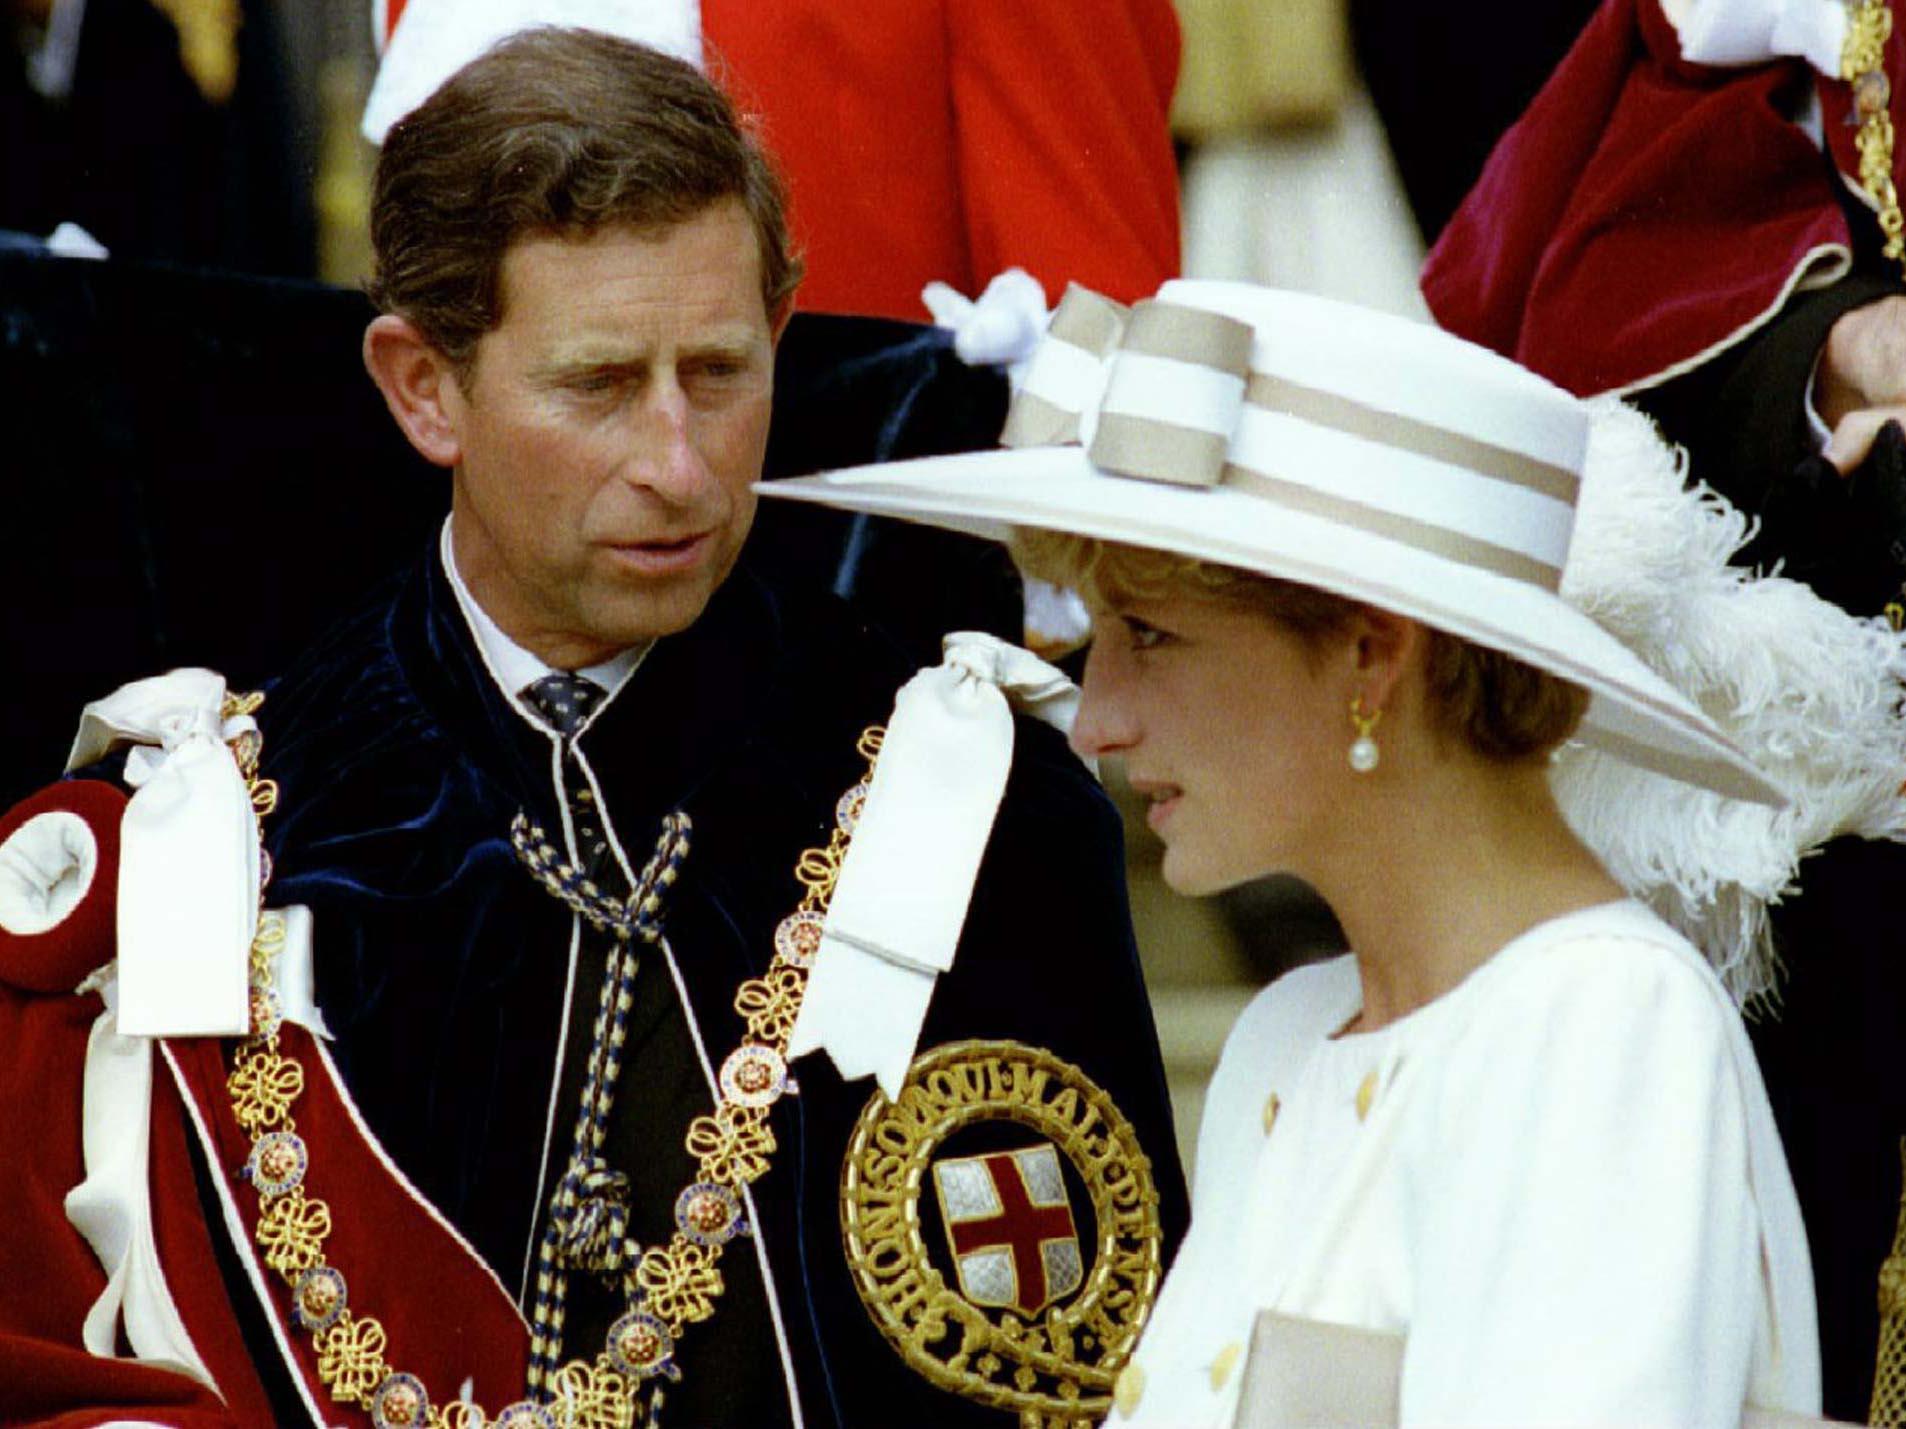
(512, 667)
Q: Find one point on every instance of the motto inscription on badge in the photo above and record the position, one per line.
(1002, 1283)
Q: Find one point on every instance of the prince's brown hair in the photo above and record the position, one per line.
(558, 133)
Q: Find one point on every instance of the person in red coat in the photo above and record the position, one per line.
(937, 140)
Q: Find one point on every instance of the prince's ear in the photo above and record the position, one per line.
(419, 387)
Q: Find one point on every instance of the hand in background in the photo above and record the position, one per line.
(1861, 382)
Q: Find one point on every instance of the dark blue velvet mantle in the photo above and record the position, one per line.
(441, 966)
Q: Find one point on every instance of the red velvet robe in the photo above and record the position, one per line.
(465, 1325)
(1645, 212)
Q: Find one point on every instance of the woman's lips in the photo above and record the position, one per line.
(1163, 798)
(661, 558)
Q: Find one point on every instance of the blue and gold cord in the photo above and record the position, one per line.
(589, 1212)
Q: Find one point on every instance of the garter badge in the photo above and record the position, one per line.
(1009, 1224)
(1023, 1277)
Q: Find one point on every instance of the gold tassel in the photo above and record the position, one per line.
(1869, 23)
(208, 43)
(1889, 1369)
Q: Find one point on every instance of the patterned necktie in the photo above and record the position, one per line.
(565, 703)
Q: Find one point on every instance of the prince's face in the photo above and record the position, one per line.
(609, 431)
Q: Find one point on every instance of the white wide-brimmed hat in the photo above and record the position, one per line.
(1361, 453)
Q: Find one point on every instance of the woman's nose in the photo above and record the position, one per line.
(1105, 723)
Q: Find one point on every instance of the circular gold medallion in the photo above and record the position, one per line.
(1041, 1309)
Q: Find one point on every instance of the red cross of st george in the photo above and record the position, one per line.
(1020, 1226)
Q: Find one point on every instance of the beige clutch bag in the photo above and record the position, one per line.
(1305, 1374)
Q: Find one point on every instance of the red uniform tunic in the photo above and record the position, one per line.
(952, 139)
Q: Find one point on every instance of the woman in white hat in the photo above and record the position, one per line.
(1520, 1125)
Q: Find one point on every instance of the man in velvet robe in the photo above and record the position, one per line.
(583, 272)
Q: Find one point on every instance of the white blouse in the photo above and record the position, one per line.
(1561, 1180)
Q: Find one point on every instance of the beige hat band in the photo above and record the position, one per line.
(1440, 444)
(1423, 536)
(1164, 392)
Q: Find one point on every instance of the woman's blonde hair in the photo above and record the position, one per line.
(1502, 708)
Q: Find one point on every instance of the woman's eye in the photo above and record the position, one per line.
(1142, 636)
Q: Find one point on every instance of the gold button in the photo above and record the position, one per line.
(1222, 1366)
(1271, 1105)
(1366, 1094)
(1129, 1388)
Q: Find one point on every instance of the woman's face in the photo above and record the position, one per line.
(1232, 727)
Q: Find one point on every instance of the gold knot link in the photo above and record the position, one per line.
(235, 704)
(292, 1232)
(351, 1359)
(819, 869)
(733, 1145)
(770, 1003)
(1863, 65)
(270, 937)
(680, 1281)
(266, 944)
(592, 1396)
(263, 1087)
(1869, 26)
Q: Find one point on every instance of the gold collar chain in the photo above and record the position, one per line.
(1869, 23)
(672, 1285)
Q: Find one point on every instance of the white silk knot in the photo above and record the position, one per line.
(998, 329)
(1731, 33)
(189, 860)
(893, 924)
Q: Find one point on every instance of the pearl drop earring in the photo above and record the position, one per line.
(1363, 749)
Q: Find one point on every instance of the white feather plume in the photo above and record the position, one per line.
(1810, 693)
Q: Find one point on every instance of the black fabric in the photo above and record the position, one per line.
(1845, 536)
(849, 391)
(441, 965)
(1830, 1054)
(1828, 1046)
(198, 472)
(1743, 416)
(140, 158)
(1449, 80)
